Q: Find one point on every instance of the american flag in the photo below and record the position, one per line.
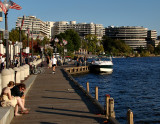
(64, 42)
(3, 7)
(14, 6)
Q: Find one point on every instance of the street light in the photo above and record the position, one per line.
(56, 40)
(10, 42)
(7, 5)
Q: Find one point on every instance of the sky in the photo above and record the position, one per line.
(107, 12)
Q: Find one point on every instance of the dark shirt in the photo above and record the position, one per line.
(16, 92)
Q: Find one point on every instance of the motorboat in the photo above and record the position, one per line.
(101, 66)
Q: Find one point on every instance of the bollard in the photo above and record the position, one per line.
(28, 70)
(130, 117)
(96, 93)
(25, 71)
(12, 74)
(88, 87)
(6, 77)
(21, 73)
(17, 71)
(111, 108)
(107, 105)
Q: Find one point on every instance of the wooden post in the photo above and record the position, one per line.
(88, 87)
(111, 108)
(96, 93)
(107, 106)
(130, 117)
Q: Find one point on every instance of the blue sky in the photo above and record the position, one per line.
(107, 12)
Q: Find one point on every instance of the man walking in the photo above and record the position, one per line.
(54, 64)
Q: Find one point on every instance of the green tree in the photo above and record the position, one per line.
(116, 47)
(150, 48)
(72, 38)
(92, 43)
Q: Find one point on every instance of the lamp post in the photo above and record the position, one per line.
(7, 5)
(32, 40)
(56, 41)
(10, 45)
(28, 43)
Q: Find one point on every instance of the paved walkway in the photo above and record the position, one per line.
(54, 99)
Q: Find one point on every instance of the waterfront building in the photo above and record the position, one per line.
(82, 29)
(151, 38)
(133, 36)
(36, 26)
(152, 34)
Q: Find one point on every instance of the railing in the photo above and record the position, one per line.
(75, 70)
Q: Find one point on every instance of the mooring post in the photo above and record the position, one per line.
(88, 87)
(107, 105)
(96, 93)
(111, 108)
(130, 117)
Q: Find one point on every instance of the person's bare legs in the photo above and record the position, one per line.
(20, 103)
(16, 111)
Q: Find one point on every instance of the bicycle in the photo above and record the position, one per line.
(36, 70)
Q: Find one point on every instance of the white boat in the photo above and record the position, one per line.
(99, 66)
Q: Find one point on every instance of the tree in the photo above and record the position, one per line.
(72, 38)
(116, 47)
(150, 48)
(14, 36)
(92, 43)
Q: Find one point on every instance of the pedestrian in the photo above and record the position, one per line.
(54, 64)
(48, 61)
(18, 91)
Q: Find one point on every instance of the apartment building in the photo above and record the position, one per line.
(36, 26)
(81, 28)
(133, 36)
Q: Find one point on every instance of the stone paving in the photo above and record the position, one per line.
(53, 99)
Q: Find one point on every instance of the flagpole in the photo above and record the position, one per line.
(28, 43)
(32, 41)
(20, 46)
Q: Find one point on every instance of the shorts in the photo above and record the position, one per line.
(53, 65)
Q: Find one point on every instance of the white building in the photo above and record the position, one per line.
(81, 28)
(36, 26)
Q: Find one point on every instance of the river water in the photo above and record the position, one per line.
(134, 84)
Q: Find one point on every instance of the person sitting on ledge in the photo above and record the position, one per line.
(8, 100)
(18, 91)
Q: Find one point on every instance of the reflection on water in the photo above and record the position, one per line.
(134, 84)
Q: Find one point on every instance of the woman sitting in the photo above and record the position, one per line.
(8, 100)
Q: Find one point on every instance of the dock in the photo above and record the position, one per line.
(54, 99)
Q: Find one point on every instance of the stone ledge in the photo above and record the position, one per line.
(7, 113)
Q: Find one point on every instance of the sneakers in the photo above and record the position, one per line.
(53, 72)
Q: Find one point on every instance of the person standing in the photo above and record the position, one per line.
(48, 61)
(54, 64)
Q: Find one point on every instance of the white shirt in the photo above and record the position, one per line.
(54, 61)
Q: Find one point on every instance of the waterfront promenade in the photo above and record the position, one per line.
(53, 99)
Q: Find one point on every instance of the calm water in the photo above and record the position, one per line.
(134, 84)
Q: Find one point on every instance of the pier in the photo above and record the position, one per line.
(55, 99)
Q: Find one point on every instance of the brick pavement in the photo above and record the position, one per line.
(54, 99)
